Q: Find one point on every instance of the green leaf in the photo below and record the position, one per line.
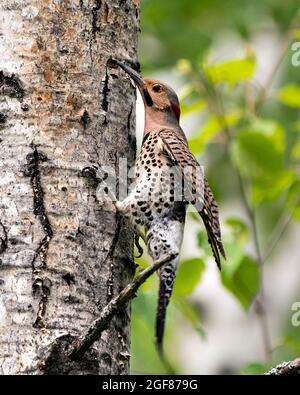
(190, 108)
(188, 276)
(297, 34)
(190, 313)
(271, 187)
(296, 151)
(234, 249)
(189, 100)
(290, 95)
(231, 71)
(242, 279)
(293, 200)
(210, 129)
(184, 66)
(292, 342)
(258, 150)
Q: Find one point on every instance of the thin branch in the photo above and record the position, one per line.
(251, 214)
(259, 300)
(277, 237)
(291, 368)
(279, 231)
(250, 96)
(93, 333)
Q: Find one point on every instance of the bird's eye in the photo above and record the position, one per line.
(156, 88)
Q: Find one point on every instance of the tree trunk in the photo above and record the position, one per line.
(63, 255)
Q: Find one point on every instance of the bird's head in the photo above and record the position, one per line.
(157, 96)
(164, 98)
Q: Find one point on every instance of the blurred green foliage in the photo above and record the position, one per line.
(178, 29)
(251, 139)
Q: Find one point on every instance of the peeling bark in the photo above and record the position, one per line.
(63, 255)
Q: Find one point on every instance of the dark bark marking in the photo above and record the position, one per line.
(95, 17)
(105, 92)
(15, 241)
(63, 51)
(131, 136)
(3, 238)
(85, 119)
(127, 7)
(33, 171)
(105, 13)
(70, 299)
(69, 278)
(3, 119)
(106, 358)
(41, 285)
(129, 119)
(25, 107)
(137, 15)
(11, 86)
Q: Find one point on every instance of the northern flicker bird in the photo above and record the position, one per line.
(167, 178)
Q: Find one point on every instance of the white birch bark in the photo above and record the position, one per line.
(62, 254)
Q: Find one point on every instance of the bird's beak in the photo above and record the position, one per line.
(140, 83)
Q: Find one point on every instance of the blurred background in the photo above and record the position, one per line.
(235, 67)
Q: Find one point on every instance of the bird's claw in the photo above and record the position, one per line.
(138, 246)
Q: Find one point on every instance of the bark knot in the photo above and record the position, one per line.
(11, 86)
(85, 119)
(3, 118)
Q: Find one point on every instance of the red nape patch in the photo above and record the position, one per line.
(176, 110)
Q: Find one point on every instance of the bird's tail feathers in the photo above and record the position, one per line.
(166, 280)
